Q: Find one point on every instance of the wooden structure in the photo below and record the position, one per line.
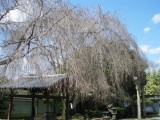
(45, 83)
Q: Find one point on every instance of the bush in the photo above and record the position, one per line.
(123, 112)
(77, 117)
(148, 102)
(4, 99)
(93, 113)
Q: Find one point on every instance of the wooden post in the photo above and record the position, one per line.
(47, 102)
(33, 107)
(37, 106)
(54, 108)
(138, 102)
(10, 105)
(67, 107)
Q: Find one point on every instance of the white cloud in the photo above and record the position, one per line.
(154, 50)
(149, 50)
(158, 61)
(147, 29)
(16, 16)
(144, 48)
(156, 18)
(20, 13)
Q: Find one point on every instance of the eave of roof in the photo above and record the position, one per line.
(31, 82)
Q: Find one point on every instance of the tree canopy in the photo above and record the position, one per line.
(93, 47)
(153, 83)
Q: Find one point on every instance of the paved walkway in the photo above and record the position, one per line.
(154, 118)
(147, 118)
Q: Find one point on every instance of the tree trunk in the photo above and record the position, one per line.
(138, 102)
(143, 102)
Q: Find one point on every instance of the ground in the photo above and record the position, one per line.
(149, 117)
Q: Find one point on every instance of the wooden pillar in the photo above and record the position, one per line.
(33, 107)
(47, 104)
(37, 106)
(47, 101)
(67, 107)
(54, 105)
(54, 108)
(10, 105)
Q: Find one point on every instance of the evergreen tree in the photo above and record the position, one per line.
(153, 83)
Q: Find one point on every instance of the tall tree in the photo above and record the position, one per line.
(94, 49)
(153, 83)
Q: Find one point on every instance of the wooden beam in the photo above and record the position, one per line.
(40, 96)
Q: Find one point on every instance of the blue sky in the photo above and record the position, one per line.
(141, 17)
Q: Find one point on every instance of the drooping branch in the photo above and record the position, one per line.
(95, 50)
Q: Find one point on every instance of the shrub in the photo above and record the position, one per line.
(77, 117)
(123, 112)
(93, 113)
(4, 99)
(148, 102)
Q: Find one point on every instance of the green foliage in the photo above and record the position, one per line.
(4, 99)
(148, 102)
(93, 113)
(123, 112)
(77, 117)
(153, 83)
(59, 107)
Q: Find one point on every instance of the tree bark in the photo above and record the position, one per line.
(67, 101)
(143, 102)
(138, 102)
